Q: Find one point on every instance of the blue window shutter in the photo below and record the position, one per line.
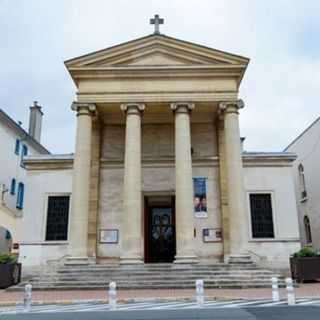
(13, 186)
(24, 150)
(20, 196)
(17, 148)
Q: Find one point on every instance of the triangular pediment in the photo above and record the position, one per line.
(155, 50)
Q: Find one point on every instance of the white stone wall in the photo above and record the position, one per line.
(34, 250)
(307, 148)
(277, 181)
(10, 164)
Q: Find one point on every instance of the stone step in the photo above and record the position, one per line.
(167, 276)
(160, 280)
(152, 271)
(157, 276)
(138, 274)
(156, 266)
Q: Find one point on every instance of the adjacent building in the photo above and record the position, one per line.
(16, 144)
(307, 182)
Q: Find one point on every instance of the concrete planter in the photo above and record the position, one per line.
(305, 268)
(10, 274)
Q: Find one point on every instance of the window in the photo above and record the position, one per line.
(307, 229)
(57, 218)
(24, 150)
(20, 196)
(13, 186)
(17, 147)
(261, 215)
(302, 182)
(23, 154)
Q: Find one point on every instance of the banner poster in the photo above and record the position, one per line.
(200, 197)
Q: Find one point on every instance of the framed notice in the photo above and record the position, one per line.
(109, 236)
(200, 197)
(211, 235)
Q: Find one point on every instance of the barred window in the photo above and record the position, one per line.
(57, 218)
(261, 215)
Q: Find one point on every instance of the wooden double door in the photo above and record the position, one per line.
(160, 233)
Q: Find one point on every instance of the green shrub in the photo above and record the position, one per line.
(7, 258)
(306, 252)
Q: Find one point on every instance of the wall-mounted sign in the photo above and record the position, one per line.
(200, 197)
(211, 235)
(109, 236)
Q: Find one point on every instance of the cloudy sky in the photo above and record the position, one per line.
(281, 88)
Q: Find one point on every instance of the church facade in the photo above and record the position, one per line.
(159, 174)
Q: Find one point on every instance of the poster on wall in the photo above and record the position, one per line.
(200, 197)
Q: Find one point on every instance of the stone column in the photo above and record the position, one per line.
(131, 233)
(184, 184)
(81, 182)
(238, 220)
(223, 186)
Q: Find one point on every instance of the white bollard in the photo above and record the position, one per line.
(275, 289)
(199, 293)
(290, 292)
(112, 295)
(27, 298)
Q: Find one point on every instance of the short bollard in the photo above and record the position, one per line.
(275, 289)
(112, 296)
(27, 298)
(290, 292)
(199, 293)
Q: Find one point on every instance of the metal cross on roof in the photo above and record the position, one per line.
(156, 21)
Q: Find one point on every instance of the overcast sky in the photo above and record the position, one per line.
(281, 87)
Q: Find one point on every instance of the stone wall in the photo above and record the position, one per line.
(158, 140)
(156, 180)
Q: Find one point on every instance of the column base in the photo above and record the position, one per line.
(186, 259)
(76, 261)
(131, 260)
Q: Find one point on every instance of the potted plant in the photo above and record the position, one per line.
(10, 270)
(305, 264)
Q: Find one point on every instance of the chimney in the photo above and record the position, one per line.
(35, 121)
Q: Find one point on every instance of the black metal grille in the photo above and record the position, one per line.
(57, 218)
(261, 215)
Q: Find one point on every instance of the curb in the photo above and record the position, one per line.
(105, 301)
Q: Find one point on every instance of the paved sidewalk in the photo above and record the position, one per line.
(154, 305)
(311, 290)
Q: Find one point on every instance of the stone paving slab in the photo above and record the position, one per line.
(311, 290)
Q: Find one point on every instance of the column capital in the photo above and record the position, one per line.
(231, 106)
(131, 108)
(182, 107)
(83, 108)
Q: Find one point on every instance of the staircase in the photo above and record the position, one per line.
(236, 274)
